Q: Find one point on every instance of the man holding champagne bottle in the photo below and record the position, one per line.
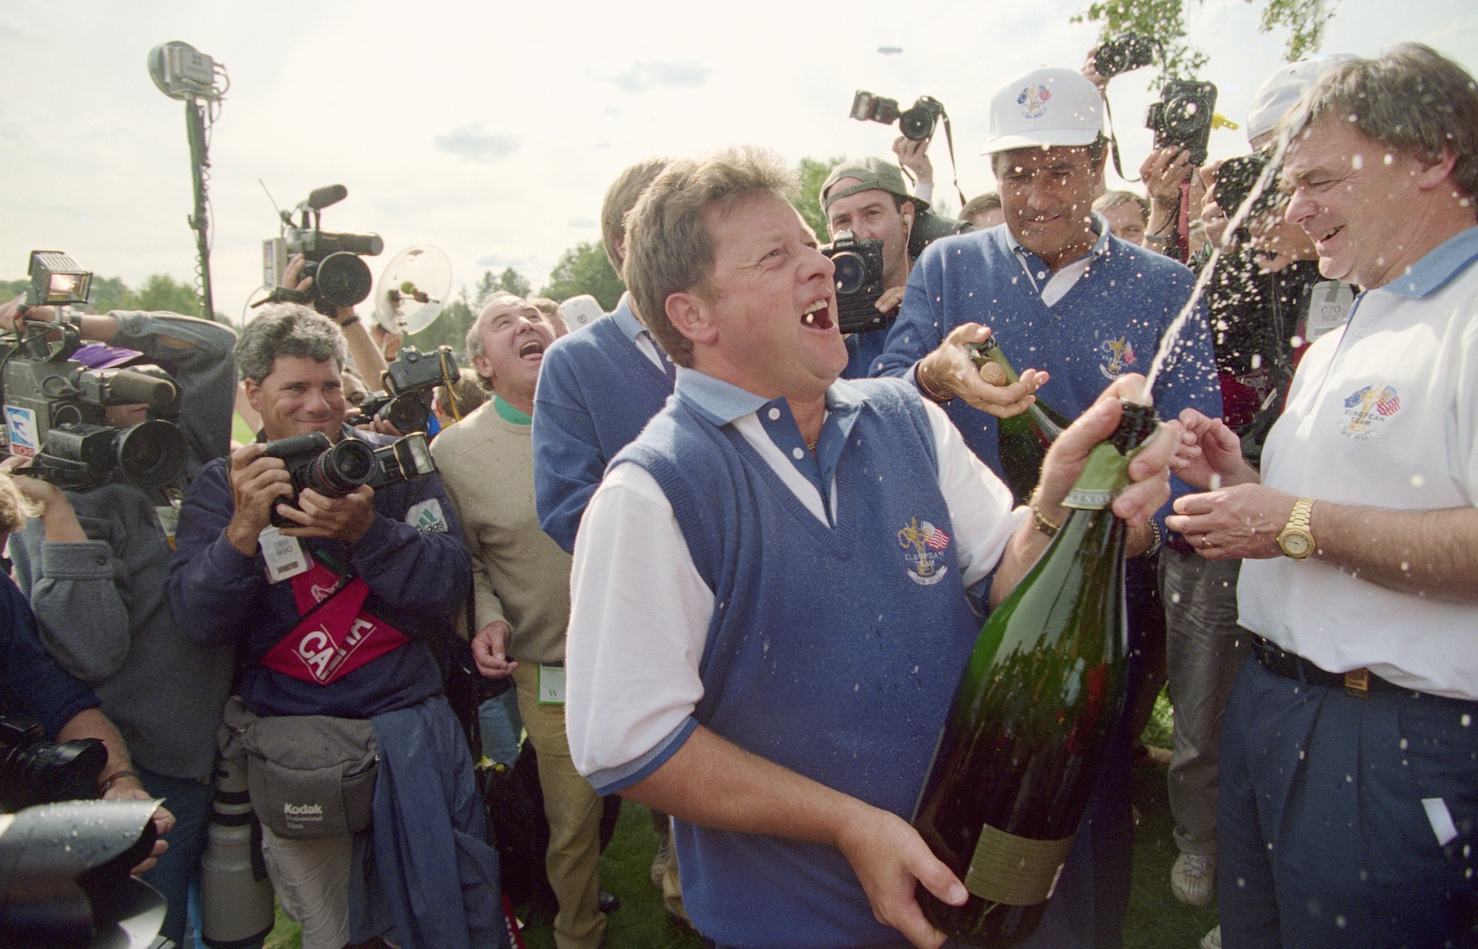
(779, 564)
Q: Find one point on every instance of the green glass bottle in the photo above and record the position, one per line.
(1026, 733)
(1021, 440)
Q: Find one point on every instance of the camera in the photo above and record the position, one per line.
(36, 771)
(333, 260)
(917, 123)
(56, 407)
(859, 282)
(1235, 180)
(1183, 117)
(408, 382)
(337, 469)
(1122, 53)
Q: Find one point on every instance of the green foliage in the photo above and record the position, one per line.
(812, 172)
(161, 292)
(514, 282)
(585, 269)
(108, 293)
(448, 329)
(1164, 20)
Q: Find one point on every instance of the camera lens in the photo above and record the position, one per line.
(851, 272)
(151, 454)
(408, 413)
(917, 123)
(343, 279)
(341, 469)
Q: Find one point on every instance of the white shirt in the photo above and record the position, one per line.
(1383, 413)
(640, 613)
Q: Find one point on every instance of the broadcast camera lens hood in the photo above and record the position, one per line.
(64, 875)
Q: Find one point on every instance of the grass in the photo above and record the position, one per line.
(1156, 920)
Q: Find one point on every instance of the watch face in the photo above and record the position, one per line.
(1296, 544)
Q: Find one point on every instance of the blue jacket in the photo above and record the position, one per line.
(417, 580)
(596, 392)
(31, 678)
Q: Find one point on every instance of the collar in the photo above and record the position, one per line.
(1100, 227)
(721, 402)
(1437, 267)
(509, 414)
(626, 320)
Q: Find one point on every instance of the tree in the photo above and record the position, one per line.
(514, 282)
(448, 329)
(811, 173)
(161, 292)
(584, 268)
(1164, 21)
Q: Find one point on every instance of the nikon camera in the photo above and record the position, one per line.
(336, 470)
(406, 399)
(1183, 117)
(859, 282)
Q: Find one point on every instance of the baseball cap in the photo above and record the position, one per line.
(1047, 106)
(874, 173)
(103, 356)
(580, 311)
(1284, 88)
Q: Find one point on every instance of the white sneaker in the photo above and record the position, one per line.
(1193, 879)
(662, 858)
(1212, 940)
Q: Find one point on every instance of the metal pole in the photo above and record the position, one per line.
(199, 222)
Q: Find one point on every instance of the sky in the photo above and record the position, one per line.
(491, 130)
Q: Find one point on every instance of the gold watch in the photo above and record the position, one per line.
(1296, 540)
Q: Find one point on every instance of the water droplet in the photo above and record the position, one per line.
(1418, 481)
(1389, 159)
(1357, 161)
(1467, 720)
(1404, 744)
(1339, 922)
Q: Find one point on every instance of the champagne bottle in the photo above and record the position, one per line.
(1026, 734)
(1021, 440)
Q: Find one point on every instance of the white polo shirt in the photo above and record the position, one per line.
(1382, 413)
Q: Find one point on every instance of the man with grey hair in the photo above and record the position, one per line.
(334, 613)
(1349, 765)
(521, 585)
(751, 647)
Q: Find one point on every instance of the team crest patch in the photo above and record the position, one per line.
(1033, 101)
(924, 547)
(1121, 356)
(1367, 410)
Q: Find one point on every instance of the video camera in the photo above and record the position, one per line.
(334, 261)
(859, 282)
(408, 383)
(1183, 117)
(916, 123)
(56, 407)
(337, 469)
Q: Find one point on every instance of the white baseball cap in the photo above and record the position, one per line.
(1045, 107)
(580, 311)
(1284, 88)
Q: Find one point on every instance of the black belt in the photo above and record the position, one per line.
(1357, 682)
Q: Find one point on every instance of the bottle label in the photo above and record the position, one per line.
(1017, 871)
(1103, 477)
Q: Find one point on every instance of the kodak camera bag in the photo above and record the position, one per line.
(308, 775)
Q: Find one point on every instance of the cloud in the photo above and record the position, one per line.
(476, 142)
(639, 77)
(582, 222)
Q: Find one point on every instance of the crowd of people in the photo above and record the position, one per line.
(673, 528)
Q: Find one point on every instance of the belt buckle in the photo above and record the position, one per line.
(1357, 683)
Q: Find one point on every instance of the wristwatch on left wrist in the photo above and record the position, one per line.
(1296, 540)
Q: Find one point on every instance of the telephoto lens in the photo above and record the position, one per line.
(235, 893)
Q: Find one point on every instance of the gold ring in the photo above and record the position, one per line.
(1206, 540)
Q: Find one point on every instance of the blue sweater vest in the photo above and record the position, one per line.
(832, 651)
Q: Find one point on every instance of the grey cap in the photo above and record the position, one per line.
(874, 175)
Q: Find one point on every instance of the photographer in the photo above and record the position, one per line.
(869, 199)
(32, 682)
(95, 564)
(334, 615)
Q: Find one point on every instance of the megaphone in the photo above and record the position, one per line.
(413, 290)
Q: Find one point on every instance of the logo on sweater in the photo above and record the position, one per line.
(1120, 353)
(1367, 410)
(924, 547)
(427, 517)
(1033, 101)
